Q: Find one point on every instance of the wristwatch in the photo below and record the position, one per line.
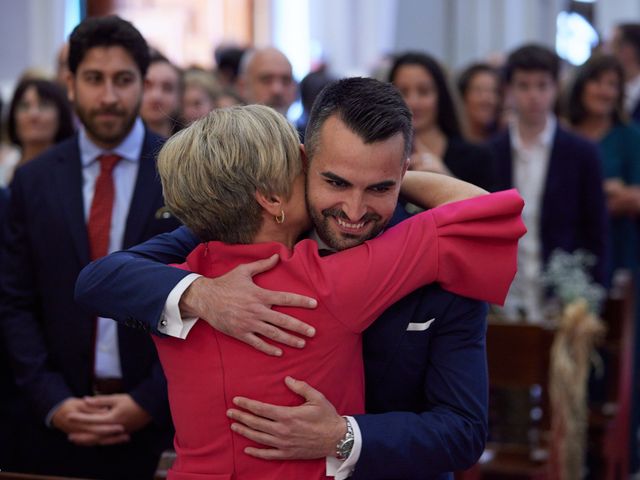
(344, 446)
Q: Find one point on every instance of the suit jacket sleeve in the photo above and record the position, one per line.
(132, 286)
(19, 311)
(450, 433)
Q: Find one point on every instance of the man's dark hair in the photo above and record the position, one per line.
(228, 60)
(592, 70)
(47, 91)
(373, 110)
(110, 31)
(447, 115)
(532, 58)
(630, 34)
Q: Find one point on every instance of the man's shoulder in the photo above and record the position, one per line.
(66, 150)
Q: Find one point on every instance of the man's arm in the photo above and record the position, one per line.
(449, 434)
(133, 286)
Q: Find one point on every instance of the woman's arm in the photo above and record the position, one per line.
(428, 189)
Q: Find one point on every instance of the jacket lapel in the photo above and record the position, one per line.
(554, 180)
(145, 195)
(68, 181)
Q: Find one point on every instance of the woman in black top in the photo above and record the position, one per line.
(438, 144)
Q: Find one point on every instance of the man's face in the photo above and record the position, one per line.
(353, 187)
(106, 91)
(533, 93)
(269, 81)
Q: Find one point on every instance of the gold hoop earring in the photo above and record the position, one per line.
(280, 218)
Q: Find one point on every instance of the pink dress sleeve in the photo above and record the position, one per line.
(469, 247)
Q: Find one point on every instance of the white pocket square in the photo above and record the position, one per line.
(419, 327)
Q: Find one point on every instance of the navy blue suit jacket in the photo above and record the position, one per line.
(49, 336)
(574, 212)
(433, 381)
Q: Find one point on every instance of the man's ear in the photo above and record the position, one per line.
(405, 167)
(272, 204)
(304, 159)
(71, 89)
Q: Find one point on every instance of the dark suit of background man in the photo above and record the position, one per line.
(96, 393)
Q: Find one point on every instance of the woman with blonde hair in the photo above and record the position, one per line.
(238, 176)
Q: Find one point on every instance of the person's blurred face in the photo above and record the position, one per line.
(601, 93)
(353, 187)
(269, 81)
(37, 119)
(420, 93)
(482, 99)
(161, 98)
(106, 91)
(533, 94)
(196, 103)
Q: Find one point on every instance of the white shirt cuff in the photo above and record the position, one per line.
(171, 323)
(341, 469)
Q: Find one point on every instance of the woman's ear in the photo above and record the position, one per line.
(272, 204)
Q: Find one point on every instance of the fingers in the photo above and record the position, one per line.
(287, 299)
(261, 266)
(100, 401)
(264, 410)
(255, 436)
(90, 439)
(253, 422)
(267, 453)
(259, 344)
(305, 390)
(289, 323)
(102, 418)
(272, 332)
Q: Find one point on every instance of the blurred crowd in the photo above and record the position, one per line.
(566, 137)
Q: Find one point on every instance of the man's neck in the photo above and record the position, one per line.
(530, 131)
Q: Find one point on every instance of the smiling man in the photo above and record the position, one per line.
(96, 396)
(426, 379)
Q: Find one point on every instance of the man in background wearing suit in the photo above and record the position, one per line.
(96, 392)
(557, 173)
(425, 367)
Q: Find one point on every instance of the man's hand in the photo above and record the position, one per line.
(119, 408)
(84, 425)
(235, 306)
(311, 430)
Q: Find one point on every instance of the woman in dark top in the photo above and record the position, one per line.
(438, 143)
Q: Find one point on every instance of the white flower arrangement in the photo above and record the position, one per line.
(567, 275)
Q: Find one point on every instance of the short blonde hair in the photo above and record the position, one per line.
(211, 170)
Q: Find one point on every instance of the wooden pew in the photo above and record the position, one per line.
(518, 361)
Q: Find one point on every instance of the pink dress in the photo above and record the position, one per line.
(469, 247)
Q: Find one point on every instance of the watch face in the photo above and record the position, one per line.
(345, 448)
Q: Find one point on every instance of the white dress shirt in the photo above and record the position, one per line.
(125, 173)
(530, 164)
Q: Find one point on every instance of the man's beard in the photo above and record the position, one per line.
(322, 222)
(110, 136)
